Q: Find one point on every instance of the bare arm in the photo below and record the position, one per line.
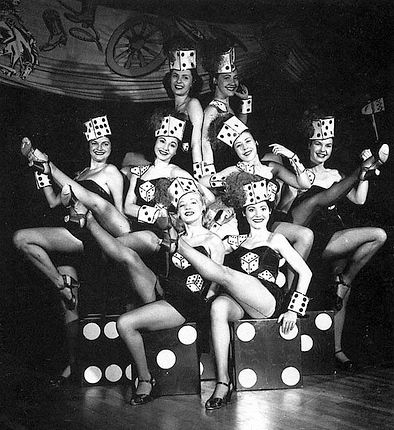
(210, 114)
(196, 116)
(209, 180)
(130, 208)
(297, 181)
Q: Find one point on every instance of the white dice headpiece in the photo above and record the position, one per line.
(179, 188)
(323, 128)
(171, 126)
(226, 61)
(182, 59)
(97, 127)
(231, 130)
(256, 192)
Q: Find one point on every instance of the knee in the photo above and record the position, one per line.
(128, 257)
(304, 238)
(124, 325)
(219, 310)
(380, 236)
(20, 240)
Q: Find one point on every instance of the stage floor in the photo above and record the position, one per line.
(364, 400)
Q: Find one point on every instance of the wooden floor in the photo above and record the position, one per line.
(364, 400)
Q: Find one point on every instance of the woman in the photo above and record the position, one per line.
(224, 82)
(183, 84)
(182, 301)
(348, 249)
(248, 290)
(230, 131)
(37, 244)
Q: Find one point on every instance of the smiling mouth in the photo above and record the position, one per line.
(189, 213)
(248, 152)
(163, 152)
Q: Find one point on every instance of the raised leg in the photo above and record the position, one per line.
(256, 300)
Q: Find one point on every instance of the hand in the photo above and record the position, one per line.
(281, 150)
(288, 320)
(243, 93)
(365, 153)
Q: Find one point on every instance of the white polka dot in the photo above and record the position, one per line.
(201, 368)
(282, 261)
(247, 378)
(91, 331)
(306, 343)
(92, 374)
(110, 330)
(246, 332)
(323, 321)
(129, 372)
(187, 335)
(291, 376)
(166, 359)
(113, 373)
(292, 334)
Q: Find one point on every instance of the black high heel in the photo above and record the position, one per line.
(70, 201)
(142, 399)
(41, 165)
(381, 156)
(69, 282)
(347, 365)
(217, 402)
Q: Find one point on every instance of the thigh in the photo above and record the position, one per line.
(345, 242)
(158, 315)
(225, 304)
(53, 239)
(291, 232)
(140, 241)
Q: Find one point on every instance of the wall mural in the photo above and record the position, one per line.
(89, 50)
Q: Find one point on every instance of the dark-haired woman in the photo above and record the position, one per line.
(348, 249)
(38, 244)
(224, 82)
(183, 84)
(248, 289)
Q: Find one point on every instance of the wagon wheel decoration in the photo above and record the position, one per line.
(135, 48)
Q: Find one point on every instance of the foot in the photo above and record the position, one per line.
(343, 362)
(220, 397)
(341, 289)
(66, 196)
(143, 393)
(67, 293)
(59, 381)
(77, 210)
(373, 163)
(37, 159)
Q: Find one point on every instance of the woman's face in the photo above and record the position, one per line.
(181, 82)
(245, 147)
(100, 148)
(166, 147)
(190, 208)
(227, 83)
(320, 150)
(257, 215)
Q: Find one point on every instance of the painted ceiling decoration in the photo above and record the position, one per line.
(88, 50)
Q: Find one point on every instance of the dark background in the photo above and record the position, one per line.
(352, 43)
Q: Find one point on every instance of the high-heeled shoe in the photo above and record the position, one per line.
(217, 402)
(338, 300)
(77, 211)
(380, 157)
(37, 159)
(347, 365)
(142, 399)
(69, 282)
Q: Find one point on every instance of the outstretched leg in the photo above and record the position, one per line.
(256, 300)
(106, 213)
(153, 316)
(141, 277)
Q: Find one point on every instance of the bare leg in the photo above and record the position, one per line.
(106, 213)
(142, 242)
(256, 300)
(359, 245)
(72, 326)
(141, 277)
(301, 238)
(35, 243)
(304, 212)
(224, 309)
(153, 316)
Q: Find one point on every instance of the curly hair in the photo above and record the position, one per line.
(311, 114)
(157, 116)
(195, 89)
(214, 128)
